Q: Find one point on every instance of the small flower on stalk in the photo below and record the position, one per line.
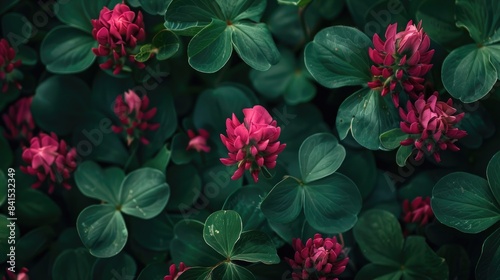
(418, 211)
(118, 31)
(7, 65)
(22, 275)
(198, 142)
(134, 116)
(431, 125)
(50, 160)
(320, 258)
(401, 61)
(19, 121)
(174, 272)
(253, 144)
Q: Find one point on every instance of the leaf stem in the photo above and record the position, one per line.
(132, 155)
(341, 238)
(203, 158)
(295, 178)
(266, 172)
(303, 23)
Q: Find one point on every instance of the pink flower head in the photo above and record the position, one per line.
(117, 31)
(198, 142)
(22, 275)
(7, 65)
(174, 272)
(19, 121)
(252, 144)
(50, 160)
(134, 116)
(401, 61)
(431, 124)
(319, 258)
(133, 101)
(418, 211)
